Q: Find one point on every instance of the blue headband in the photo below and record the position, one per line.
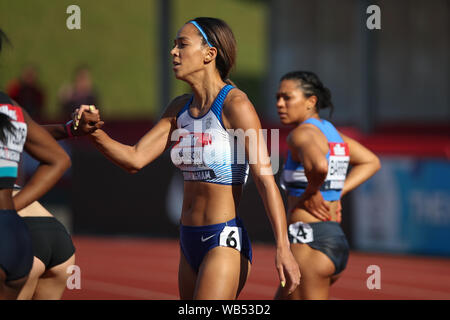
(201, 31)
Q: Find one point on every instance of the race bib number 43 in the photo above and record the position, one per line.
(231, 237)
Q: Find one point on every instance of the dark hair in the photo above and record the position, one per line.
(3, 38)
(5, 125)
(5, 120)
(221, 37)
(312, 86)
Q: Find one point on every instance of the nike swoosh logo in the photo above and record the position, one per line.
(207, 238)
(185, 126)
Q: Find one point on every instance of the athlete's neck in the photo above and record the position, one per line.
(205, 89)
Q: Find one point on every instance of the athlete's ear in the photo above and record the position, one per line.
(211, 54)
(311, 102)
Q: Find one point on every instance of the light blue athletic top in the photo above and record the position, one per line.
(293, 178)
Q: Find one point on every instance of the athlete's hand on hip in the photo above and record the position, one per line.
(86, 120)
(315, 204)
(288, 268)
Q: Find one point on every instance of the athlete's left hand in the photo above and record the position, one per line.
(288, 268)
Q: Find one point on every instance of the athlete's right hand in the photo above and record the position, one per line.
(315, 204)
(287, 267)
(86, 120)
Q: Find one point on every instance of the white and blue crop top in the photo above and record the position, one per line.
(11, 150)
(205, 150)
(293, 178)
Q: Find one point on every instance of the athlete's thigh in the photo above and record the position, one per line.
(316, 269)
(37, 270)
(301, 255)
(53, 282)
(186, 279)
(222, 274)
(9, 290)
(312, 261)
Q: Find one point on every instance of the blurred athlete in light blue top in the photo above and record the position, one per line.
(315, 178)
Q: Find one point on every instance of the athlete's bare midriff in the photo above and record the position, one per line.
(209, 203)
(298, 214)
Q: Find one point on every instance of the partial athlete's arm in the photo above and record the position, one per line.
(314, 161)
(302, 141)
(240, 114)
(364, 164)
(57, 131)
(54, 161)
(149, 147)
(89, 122)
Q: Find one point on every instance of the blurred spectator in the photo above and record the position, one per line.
(28, 93)
(78, 93)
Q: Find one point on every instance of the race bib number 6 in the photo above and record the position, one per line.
(231, 237)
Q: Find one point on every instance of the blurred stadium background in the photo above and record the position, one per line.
(390, 87)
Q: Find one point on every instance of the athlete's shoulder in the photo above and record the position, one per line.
(237, 103)
(236, 95)
(176, 105)
(11, 106)
(301, 135)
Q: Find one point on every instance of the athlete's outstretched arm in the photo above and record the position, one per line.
(240, 114)
(54, 161)
(149, 147)
(86, 123)
(89, 122)
(364, 164)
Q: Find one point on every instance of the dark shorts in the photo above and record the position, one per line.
(326, 237)
(196, 241)
(51, 242)
(16, 254)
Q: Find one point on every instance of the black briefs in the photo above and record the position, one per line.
(51, 242)
(326, 237)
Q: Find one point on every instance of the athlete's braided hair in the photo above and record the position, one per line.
(311, 85)
(5, 120)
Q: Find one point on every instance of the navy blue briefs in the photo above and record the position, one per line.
(327, 237)
(196, 241)
(16, 253)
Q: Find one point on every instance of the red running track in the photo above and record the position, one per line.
(128, 268)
